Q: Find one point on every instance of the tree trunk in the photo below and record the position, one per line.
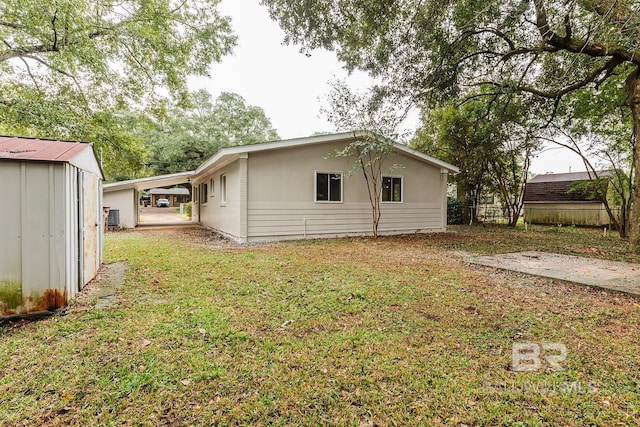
(633, 96)
(514, 216)
(375, 219)
(623, 223)
(461, 195)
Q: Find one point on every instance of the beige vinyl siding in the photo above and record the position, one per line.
(223, 217)
(281, 196)
(292, 219)
(126, 203)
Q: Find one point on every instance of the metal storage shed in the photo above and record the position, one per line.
(51, 222)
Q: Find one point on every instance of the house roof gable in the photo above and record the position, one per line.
(231, 152)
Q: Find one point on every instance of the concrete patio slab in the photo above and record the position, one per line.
(614, 275)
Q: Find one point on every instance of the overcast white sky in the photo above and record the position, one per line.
(290, 86)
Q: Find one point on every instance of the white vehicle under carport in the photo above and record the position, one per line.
(162, 203)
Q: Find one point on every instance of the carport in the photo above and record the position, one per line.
(124, 196)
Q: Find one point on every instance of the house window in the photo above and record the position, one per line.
(328, 187)
(223, 189)
(392, 189)
(205, 194)
(487, 199)
(196, 193)
(211, 184)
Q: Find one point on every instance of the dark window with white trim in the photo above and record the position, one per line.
(223, 188)
(391, 189)
(328, 187)
(205, 194)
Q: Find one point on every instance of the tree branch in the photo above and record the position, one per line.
(594, 49)
(557, 94)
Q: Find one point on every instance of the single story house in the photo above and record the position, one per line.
(565, 198)
(52, 222)
(299, 188)
(175, 196)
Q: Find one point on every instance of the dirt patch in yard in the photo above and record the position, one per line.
(101, 292)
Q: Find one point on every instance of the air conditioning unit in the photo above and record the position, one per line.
(113, 220)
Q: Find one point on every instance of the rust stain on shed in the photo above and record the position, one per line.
(50, 300)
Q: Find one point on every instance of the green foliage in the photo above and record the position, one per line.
(466, 137)
(10, 294)
(181, 137)
(187, 209)
(490, 142)
(454, 211)
(71, 69)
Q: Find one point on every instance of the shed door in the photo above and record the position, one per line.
(90, 226)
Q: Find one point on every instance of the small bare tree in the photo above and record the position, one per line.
(374, 118)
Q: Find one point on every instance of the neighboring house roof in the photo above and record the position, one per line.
(230, 154)
(79, 154)
(176, 191)
(571, 176)
(563, 187)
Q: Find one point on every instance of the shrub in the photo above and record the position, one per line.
(187, 209)
(454, 211)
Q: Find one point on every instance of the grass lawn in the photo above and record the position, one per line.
(398, 331)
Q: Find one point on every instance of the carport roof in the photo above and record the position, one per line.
(150, 182)
(176, 191)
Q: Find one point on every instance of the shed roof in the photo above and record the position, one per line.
(12, 147)
(563, 187)
(80, 154)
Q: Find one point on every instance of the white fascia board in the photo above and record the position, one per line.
(148, 182)
(426, 158)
